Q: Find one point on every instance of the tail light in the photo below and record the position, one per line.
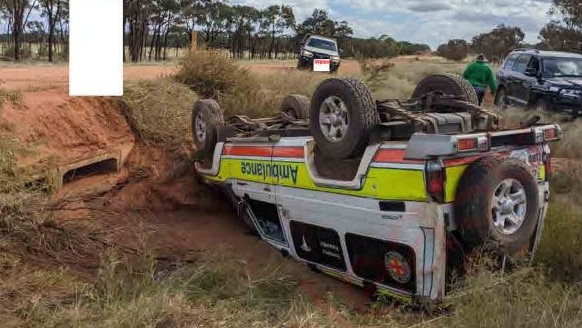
(435, 181)
(547, 160)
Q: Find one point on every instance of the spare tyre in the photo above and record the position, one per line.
(497, 203)
(296, 106)
(448, 84)
(206, 118)
(342, 116)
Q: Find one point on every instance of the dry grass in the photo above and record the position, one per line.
(399, 81)
(40, 286)
(237, 90)
(159, 110)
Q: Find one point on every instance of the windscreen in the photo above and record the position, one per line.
(562, 67)
(322, 44)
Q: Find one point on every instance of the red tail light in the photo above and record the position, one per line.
(435, 181)
(548, 163)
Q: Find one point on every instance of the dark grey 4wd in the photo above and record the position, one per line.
(541, 80)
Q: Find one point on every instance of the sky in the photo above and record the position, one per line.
(424, 21)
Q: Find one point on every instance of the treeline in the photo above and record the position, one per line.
(50, 32)
(564, 34)
(244, 31)
(153, 28)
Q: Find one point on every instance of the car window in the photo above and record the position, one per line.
(534, 63)
(522, 62)
(322, 44)
(562, 66)
(510, 61)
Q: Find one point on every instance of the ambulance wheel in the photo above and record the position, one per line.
(497, 204)
(206, 118)
(296, 106)
(343, 114)
(448, 84)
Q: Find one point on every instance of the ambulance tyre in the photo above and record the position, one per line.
(448, 84)
(496, 205)
(342, 116)
(296, 106)
(206, 118)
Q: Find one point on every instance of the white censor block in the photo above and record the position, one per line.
(96, 48)
(321, 65)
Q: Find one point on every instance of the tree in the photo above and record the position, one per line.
(278, 19)
(570, 10)
(497, 43)
(18, 12)
(51, 9)
(317, 23)
(556, 36)
(564, 34)
(137, 16)
(455, 49)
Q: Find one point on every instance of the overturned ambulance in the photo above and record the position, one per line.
(390, 195)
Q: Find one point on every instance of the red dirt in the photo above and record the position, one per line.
(61, 130)
(183, 219)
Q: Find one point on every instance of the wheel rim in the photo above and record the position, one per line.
(333, 119)
(509, 206)
(200, 128)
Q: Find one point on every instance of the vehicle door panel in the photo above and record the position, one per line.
(252, 166)
(519, 88)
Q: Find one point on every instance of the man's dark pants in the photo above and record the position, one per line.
(480, 93)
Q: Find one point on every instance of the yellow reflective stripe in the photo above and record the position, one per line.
(542, 173)
(398, 184)
(381, 183)
(454, 174)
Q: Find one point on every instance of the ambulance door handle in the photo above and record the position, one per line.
(241, 183)
(267, 189)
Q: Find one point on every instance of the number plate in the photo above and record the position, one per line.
(321, 65)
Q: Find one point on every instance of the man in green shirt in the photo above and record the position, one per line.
(481, 76)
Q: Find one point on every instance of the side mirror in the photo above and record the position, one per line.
(341, 52)
(531, 72)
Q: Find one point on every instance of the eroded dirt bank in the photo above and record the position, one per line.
(150, 195)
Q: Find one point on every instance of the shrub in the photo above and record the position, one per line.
(209, 73)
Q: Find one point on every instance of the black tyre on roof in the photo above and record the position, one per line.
(447, 83)
(342, 115)
(497, 203)
(296, 106)
(206, 118)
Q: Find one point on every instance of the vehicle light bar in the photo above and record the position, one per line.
(425, 146)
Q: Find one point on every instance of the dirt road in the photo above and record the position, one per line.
(38, 77)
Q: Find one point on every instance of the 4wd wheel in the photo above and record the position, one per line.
(541, 105)
(497, 201)
(206, 117)
(449, 84)
(343, 113)
(501, 100)
(296, 106)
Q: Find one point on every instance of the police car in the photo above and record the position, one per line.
(389, 195)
